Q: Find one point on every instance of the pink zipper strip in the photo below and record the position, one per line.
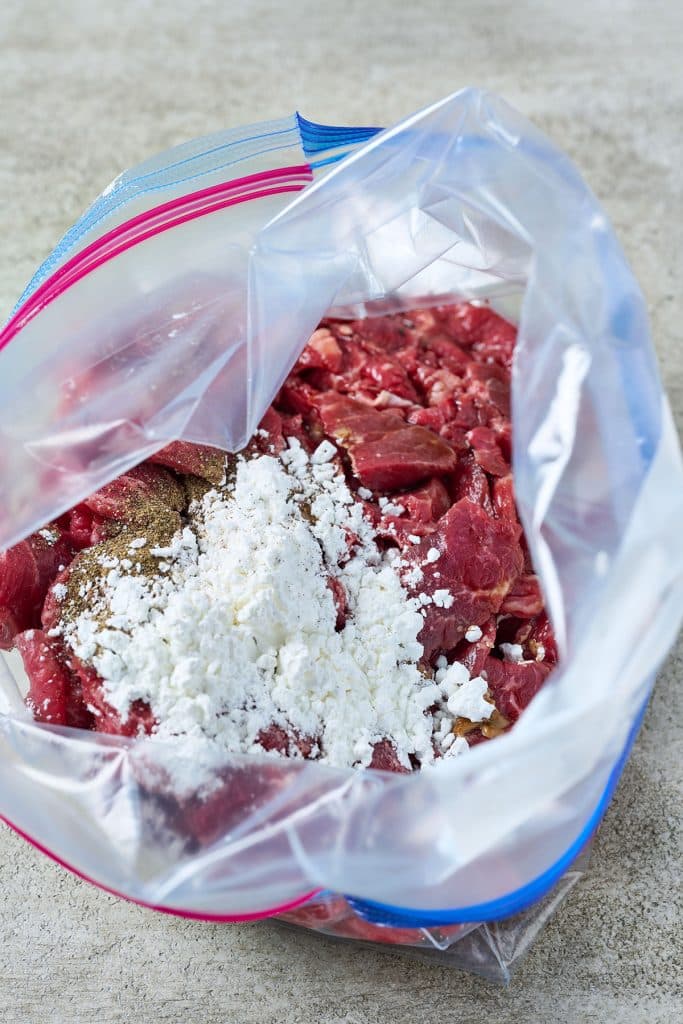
(190, 914)
(167, 216)
(152, 222)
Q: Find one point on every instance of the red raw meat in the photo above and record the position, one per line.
(396, 531)
(384, 757)
(428, 503)
(318, 913)
(490, 388)
(54, 695)
(474, 655)
(354, 356)
(388, 375)
(351, 423)
(85, 528)
(122, 498)
(382, 334)
(379, 398)
(140, 720)
(333, 915)
(437, 384)
(479, 558)
(298, 397)
(524, 600)
(340, 602)
(276, 738)
(204, 820)
(48, 677)
(9, 627)
(504, 498)
(513, 685)
(508, 629)
(51, 611)
(483, 331)
(401, 458)
(538, 633)
(434, 417)
(26, 571)
(292, 426)
(449, 354)
(386, 454)
(470, 481)
(322, 351)
(355, 927)
(503, 431)
(269, 437)
(273, 443)
(456, 437)
(195, 459)
(487, 452)
(466, 415)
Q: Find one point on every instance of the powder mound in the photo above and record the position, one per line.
(239, 632)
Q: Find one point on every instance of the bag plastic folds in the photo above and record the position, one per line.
(174, 309)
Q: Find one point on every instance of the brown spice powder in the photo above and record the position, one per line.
(490, 728)
(153, 520)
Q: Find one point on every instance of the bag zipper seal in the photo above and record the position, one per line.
(150, 223)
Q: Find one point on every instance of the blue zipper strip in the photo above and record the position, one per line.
(193, 160)
(513, 902)
(184, 163)
(317, 138)
(315, 164)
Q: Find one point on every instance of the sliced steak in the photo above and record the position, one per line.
(428, 503)
(482, 331)
(322, 352)
(538, 639)
(54, 696)
(471, 482)
(504, 498)
(524, 599)
(128, 499)
(478, 560)
(473, 654)
(195, 459)
(386, 453)
(140, 719)
(26, 571)
(351, 423)
(487, 451)
(384, 757)
(514, 685)
(401, 458)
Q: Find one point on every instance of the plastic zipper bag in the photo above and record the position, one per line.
(181, 321)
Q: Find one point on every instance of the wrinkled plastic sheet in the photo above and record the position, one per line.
(493, 949)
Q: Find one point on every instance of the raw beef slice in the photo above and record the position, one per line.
(26, 572)
(478, 560)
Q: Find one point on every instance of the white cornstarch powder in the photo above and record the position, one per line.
(512, 652)
(239, 633)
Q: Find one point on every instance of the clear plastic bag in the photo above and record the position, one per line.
(493, 950)
(181, 320)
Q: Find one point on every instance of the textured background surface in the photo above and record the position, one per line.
(87, 89)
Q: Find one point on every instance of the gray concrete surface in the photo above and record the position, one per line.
(89, 88)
